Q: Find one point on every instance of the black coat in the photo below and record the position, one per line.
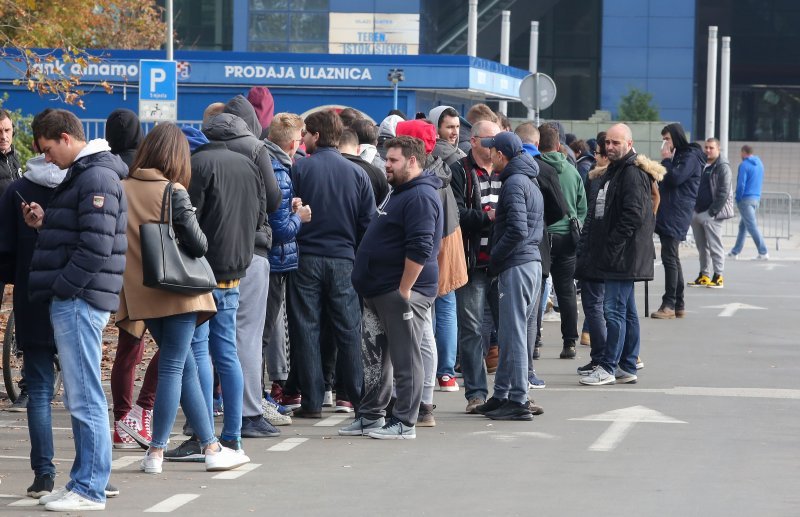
(678, 191)
(377, 178)
(555, 207)
(9, 169)
(124, 134)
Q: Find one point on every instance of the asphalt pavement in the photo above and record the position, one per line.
(710, 429)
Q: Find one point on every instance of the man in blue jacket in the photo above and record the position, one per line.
(397, 273)
(748, 196)
(515, 259)
(77, 267)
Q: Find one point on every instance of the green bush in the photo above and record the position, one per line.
(637, 105)
(23, 137)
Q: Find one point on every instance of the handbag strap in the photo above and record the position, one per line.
(167, 199)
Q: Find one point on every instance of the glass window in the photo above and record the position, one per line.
(269, 46)
(268, 26)
(269, 4)
(309, 27)
(294, 25)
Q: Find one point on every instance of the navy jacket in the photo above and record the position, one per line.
(341, 199)
(81, 248)
(678, 191)
(283, 255)
(408, 226)
(519, 217)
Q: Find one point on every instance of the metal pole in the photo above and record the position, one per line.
(533, 63)
(472, 29)
(505, 44)
(724, 95)
(711, 81)
(395, 94)
(170, 32)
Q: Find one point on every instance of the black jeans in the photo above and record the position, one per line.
(562, 270)
(673, 274)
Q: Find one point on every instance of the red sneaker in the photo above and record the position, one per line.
(123, 440)
(343, 406)
(290, 401)
(447, 383)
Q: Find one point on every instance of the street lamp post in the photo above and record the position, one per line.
(396, 76)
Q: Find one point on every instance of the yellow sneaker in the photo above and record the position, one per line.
(702, 280)
(716, 282)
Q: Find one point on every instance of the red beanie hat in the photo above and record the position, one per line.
(419, 129)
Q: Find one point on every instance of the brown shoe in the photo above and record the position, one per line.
(680, 313)
(664, 313)
(534, 409)
(585, 339)
(472, 404)
(492, 358)
(425, 417)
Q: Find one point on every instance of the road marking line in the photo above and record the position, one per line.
(21, 425)
(692, 391)
(25, 502)
(9, 496)
(332, 421)
(287, 445)
(172, 503)
(237, 473)
(28, 458)
(124, 461)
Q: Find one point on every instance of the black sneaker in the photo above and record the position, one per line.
(490, 405)
(111, 490)
(512, 411)
(234, 445)
(42, 485)
(568, 352)
(21, 404)
(587, 368)
(258, 427)
(190, 450)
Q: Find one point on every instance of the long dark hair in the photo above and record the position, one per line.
(166, 148)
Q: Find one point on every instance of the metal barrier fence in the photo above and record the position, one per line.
(774, 218)
(96, 127)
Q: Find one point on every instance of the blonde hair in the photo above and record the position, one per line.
(282, 127)
(480, 112)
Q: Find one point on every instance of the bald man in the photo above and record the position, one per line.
(621, 242)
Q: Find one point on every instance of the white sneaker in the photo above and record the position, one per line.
(272, 415)
(765, 256)
(732, 256)
(55, 495)
(72, 502)
(598, 377)
(327, 401)
(151, 463)
(551, 316)
(225, 459)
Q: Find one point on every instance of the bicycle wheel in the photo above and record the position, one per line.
(12, 361)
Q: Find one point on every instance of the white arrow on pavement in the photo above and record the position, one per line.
(622, 420)
(771, 266)
(730, 309)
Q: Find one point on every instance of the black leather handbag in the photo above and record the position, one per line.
(165, 265)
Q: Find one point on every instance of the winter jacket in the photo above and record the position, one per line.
(447, 152)
(9, 169)
(17, 243)
(472, 218)
(124, 134)
(238, 128)
(340, 194)
(144, 189)
(408, 226)
(223, 191)
(80, 252)
(750, 179)
(619, 237)
(584, 164)
(519, 220)
(386, 131)
(720, 180)
(452, 265)
(572, 188)
(678, 191)
(586, 262)
(464, 134)
(283, 256)
(195, 137)
(377, 178)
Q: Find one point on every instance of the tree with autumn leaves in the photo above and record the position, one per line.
(35, 32)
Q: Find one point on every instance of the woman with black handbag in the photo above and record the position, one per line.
(162, 227)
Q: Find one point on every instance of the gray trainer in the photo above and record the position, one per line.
(598, 377)
(623, 377)
(361, 426)
(394, 430)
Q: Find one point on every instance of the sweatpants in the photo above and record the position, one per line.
(250, 320)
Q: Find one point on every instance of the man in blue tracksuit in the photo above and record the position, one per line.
(748, 196)
(396, 271)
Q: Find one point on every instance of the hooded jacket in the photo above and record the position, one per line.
(678, 191)
(17, 243)
(448, 152)
(283, 256)
(195, 137)
(236, 128)
(408, 226)
(124, 134)
(571, 187)
(452, 265)
(519, 220)
(619, 232)
(80, 252)
(369, 153)
(264, 105)
(9, 169)
(750, 179)
(387, 130)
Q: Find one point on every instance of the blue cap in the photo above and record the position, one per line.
(506, 142)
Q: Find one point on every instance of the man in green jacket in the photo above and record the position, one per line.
(563, 242)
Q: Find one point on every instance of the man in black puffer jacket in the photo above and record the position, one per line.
(77, 267)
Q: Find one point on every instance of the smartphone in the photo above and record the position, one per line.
(21, 198)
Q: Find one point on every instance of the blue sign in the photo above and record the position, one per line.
(158, 80)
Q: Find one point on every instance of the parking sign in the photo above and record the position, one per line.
(158, 90)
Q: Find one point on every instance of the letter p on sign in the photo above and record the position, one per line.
(157, 75)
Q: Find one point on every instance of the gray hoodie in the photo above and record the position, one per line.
(43, 173)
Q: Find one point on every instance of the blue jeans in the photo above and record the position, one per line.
(622, 327)
(446, 327)
(39, 376)
(205, 371)
(222, 347)
(178, 379)
(471, 300)
(78, 329)
(517, 287)
(748, 224)
(592, 296)
(324, 282)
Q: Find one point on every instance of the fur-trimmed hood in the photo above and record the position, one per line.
(596, 172)
(651, 167)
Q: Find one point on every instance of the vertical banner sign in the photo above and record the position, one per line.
(158, 91)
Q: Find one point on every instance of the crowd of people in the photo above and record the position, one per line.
(358, 266)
